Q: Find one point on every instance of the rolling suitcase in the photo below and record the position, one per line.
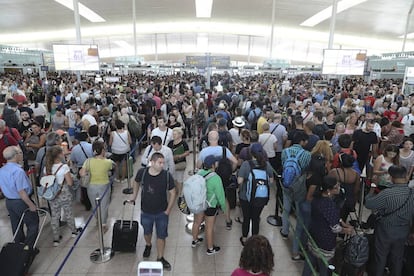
(16, 258)
(125, 232)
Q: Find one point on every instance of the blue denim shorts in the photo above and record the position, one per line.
(161, 224)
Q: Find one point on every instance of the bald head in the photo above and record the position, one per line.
(213, 138)
(10, 153)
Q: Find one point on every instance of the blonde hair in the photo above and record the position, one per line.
(179, 130)
(323, 147)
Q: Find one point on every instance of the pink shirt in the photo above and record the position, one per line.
(242, 272)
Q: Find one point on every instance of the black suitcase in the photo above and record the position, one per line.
(16, 258)
(125, 232)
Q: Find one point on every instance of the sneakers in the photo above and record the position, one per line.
(147, 251)
(284, 236)
(196, 242)
(165, 264)
(298, 257)
(57, 242)
(229, 224)
(213, 251)
(76, 233)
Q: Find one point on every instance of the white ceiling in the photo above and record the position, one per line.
(373, 19)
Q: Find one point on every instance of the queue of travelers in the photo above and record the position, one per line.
(317, 146)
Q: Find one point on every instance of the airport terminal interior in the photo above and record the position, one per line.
(346, 63)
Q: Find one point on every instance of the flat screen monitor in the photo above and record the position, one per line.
(343, 62)
(71, 57)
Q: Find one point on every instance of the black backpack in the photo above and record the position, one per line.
(356, 250)
(225, 169)
(318, 164)
(253, 122)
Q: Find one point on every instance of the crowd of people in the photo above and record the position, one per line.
(314, 144)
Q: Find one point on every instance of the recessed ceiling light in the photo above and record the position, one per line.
(83, 11)
(203, 8)
(327, 13)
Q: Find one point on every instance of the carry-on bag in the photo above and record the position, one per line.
(16, 257)
(125, 232)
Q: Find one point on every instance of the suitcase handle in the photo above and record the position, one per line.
(41, 225)
(132, 202)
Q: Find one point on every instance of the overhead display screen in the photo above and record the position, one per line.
(76, 57)
(343, 62)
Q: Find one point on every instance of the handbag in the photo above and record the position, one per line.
(181, 166)
(374, 218)
(86, 179)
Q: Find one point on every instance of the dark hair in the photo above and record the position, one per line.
(384, 121)
(344, 140)
(34, 123)
(93, 131)
(298, 120)
(396, 171)
(257, 255)
(83, 136)
(346, 160)
(119, 124)
(156, 155)
(98, 147)
(156, 140)
(299, 136)
(260, 158)
(328, 183)
(318, 115)
(254, 136)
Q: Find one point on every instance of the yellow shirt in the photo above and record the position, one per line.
(98, 169)
(260, 123)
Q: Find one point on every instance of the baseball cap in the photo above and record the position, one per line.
(209, 161)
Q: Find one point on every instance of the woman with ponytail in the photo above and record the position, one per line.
(99, 167)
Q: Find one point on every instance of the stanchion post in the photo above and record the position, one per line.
(32, 177)
(102, 254)
(130, 170)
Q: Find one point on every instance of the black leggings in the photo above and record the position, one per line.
(250, 213)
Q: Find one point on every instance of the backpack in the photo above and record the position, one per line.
(291, 168)
(225, 169)
(253, 122)
(356, 250)
(257, 191)
(195, 192)
(49, 187)
(134, 127)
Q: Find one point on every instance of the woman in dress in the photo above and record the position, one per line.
(324, 227)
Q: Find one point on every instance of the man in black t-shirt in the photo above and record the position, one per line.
(155, 206)
(362, 140)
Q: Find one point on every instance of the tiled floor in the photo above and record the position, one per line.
(185, 261)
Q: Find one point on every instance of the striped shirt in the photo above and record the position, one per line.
(304, 158)
(389, 201)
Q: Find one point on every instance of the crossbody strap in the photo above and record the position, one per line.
(165, 138)
(399, 208)
(119, 135)
(83, 151)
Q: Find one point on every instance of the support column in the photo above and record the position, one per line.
(272, 29)
(78, 31)
(407, 24)
(134, 20)
(333, 22)
(156, 46)
(248, 50)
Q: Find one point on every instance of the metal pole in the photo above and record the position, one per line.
(407, 23)
(333, 22)
(78, 31)
(208, 70)
(272, 29)
(248, 50)
(134, 20)
(130, 170)
(156, 47)
(102, 254)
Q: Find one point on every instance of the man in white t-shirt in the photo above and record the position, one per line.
(88, 119)
(408, 122)
(162, 131)
(71, 115)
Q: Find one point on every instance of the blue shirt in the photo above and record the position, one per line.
(217, 151)
(14, 179)
(77, 156)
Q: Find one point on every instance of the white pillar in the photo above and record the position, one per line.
(272, 29)
(134, 20)
(78, 31)
(332, 24)
(407, 24)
